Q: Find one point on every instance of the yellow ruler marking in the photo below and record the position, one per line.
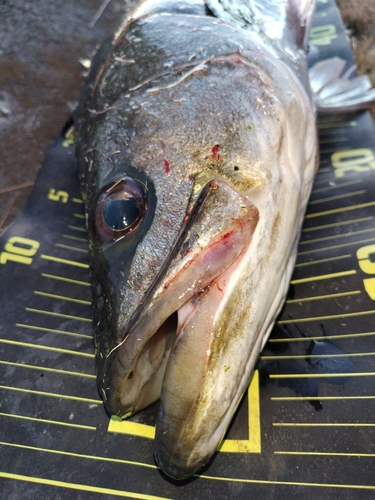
(46, 347)
(77, 228)
(318, 356)
(46, 421)
(133, 428)
(333, 150)
(337, 236)
(337, 186)
(320, 398)
(81, 487)
(323, 277)
(286, 483)
(51, 394)
(59, 315)
(51, 330)
(205, 477)
(312, 262)
(337, 197)
(336, 124)
(322, 318)
(321, 375)
(79, 216)
(250, 445)
(79, 455)
(336, 224)
(336, 139)
(77, 200)
(323, 337)
(253, 443)
(63, 278)
(65, 261)
(334, 247)
(341, 209)
(334, 424)
(329, 454)
(68, 247)
(324, 297)
(74, 238)
(62, 297)
(45, 369)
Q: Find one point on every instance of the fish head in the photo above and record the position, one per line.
(177, 170)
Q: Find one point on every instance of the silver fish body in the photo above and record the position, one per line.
(196, 144)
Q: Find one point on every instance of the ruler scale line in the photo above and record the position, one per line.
(59, 315)
(337, 224)
(334, 247)
(74, 238)
(320, 261)
(46, 348)
(324, 297)
(337, 236)
(323, 277)
(323, 337)
(62, 297)
(51, 394)
(69, 247)
(47, 369)
(337, 186)
(65, 261)
(63, 278)
(51, 330)
(46, 421)
(337, 197)
(323, 318)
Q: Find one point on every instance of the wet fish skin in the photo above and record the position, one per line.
(213, 106)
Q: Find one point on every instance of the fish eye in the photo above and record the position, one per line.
(119, 209)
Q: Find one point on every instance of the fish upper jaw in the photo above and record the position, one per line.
(218, 230)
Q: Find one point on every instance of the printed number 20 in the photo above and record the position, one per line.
(19, 249)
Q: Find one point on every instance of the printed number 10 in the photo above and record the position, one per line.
(22, 254)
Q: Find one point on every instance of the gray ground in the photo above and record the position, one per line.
(41, 43)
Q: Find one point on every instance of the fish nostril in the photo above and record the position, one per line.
(100, 303)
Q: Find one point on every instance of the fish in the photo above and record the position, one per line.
(196, 146)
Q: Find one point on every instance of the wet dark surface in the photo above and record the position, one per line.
(41, 45)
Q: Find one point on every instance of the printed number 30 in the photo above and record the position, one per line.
(18, 249)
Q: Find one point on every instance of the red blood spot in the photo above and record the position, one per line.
(166, 166)
(191, 178)
(215, 152)
(217, 286)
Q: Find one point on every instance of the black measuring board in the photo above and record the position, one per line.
(305, 428)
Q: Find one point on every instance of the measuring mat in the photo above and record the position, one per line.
(305, 428)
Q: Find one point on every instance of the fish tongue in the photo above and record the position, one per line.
(192, 418)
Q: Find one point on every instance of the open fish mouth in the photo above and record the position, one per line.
(177, 335)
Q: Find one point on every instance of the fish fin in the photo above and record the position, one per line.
(288, 21)
(338, 92)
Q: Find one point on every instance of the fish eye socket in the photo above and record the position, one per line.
(120, 209)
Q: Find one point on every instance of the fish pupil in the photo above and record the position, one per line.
(120, 212)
